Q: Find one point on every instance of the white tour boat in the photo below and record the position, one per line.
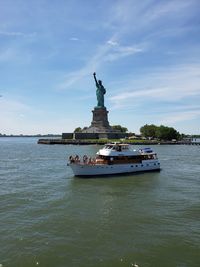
(115, 158)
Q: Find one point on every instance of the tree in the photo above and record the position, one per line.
(149, 130)
(160, 132)
(120, 128)
(77, 130)
(167, 133)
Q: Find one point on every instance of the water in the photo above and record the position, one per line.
(49, 218)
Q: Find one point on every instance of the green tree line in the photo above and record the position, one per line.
(160, 132)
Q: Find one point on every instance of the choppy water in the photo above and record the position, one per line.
(49, 218)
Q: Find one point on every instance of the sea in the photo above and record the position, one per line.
(49, 218)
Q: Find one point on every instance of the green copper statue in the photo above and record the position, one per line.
(100, 92)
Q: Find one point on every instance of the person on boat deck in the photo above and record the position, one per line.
(118, 148)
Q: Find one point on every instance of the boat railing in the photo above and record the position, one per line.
(85, 160)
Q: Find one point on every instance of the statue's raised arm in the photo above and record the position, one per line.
(94, 74)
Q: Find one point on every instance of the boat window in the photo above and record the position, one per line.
(108, 147)
(125, 147)
(118, 148)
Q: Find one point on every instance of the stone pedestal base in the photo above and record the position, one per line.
(100, 122)
(100, 117)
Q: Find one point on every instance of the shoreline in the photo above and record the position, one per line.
(36, 136)
(103, 142)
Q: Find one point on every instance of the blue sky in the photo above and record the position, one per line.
(147, 53)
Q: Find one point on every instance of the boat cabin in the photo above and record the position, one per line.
(117, 147)
(118, 153)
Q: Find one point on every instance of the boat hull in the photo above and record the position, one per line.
(87, 170)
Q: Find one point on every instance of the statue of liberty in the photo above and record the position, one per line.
(100, 92)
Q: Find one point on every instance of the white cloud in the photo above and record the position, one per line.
(149, 19)
(8, 54)
(174, 117)
(12, 106)
(91, 66)
(168, 8)
(17, 34)
(130, 17)
(15, 54)
(12, 112)
(173, 84)
(123, 51)
(106, 52)
(164, 96)
(74, 39)
(19, 118)
(112, 43)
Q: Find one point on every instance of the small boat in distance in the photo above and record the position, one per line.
(115, 158)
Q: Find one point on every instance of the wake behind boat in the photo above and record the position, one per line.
(115, 158)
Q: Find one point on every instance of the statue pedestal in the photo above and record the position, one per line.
(100, 117)
(99, 122)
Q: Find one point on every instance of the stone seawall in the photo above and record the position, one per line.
(103, 141)
(100, 135)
